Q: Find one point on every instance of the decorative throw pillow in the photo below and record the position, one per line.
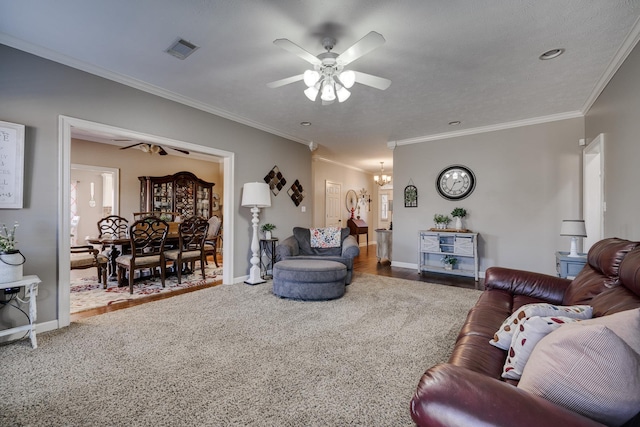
(502, 338)
(327, 237)
(528, 333)
(625, 324)
(586, 369)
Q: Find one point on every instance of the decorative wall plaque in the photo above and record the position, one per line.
(410, 196)
(275, 180)
(296, 192)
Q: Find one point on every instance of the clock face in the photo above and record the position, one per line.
(456, 182)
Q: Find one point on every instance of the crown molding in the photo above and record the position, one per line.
(137, 84)
(333, 162)
(485, 129)
(621, 55)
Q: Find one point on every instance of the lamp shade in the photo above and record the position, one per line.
(256, 194)
(573, 227)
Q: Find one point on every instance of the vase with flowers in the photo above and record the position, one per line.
(11, 260)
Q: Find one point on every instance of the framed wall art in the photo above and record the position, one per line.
(11, 165)
(410, 196)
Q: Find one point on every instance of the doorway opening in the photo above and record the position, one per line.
(593, 191)
(68, 126)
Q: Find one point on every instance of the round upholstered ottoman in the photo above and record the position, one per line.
(309, 279)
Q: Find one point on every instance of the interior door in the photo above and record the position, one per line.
(593, 191)
(333, 204)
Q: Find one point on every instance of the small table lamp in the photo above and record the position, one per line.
(255, 195)
(574, 228)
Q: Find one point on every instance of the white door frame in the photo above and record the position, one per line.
(594, 204)
(65, 124)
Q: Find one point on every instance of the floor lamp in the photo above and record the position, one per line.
(255, 195)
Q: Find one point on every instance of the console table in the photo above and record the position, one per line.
(30, 285)
(434, 245)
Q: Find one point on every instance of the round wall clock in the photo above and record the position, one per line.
(456, 182)
(351, 201)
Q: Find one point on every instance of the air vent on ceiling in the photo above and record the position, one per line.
(181, 48)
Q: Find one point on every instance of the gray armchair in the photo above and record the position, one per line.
(298, 246)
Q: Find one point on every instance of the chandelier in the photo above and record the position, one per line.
(382, 179)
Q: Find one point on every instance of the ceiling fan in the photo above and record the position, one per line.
(328, 77)
(153, 148)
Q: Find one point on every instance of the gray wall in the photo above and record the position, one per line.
(527, 182)
(35, 91)
(616, 114)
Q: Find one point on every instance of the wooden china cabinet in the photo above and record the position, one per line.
(182, 192)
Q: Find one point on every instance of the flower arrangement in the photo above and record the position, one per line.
(441, 220)
(459, 213)
(267, 227)
(8, 238)
(449, 261)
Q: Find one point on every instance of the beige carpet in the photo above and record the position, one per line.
(239, 356)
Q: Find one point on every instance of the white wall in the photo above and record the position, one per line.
(616, 114)
(527, 181)
(36, 91)
(350, 179)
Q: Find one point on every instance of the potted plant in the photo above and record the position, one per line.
(449, 262)
(267, 229)
(441, 221)
(458, 214)
(11, 260)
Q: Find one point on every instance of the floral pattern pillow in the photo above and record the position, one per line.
(502, 338)
(528, 333)
(328, 237)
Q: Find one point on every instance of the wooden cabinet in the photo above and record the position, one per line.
(182, 192)
(434, 245)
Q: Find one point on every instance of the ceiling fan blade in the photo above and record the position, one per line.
(131, 146)
(288, 45)
(363, 46)
(286, 81)
(373, 81)
(161, 151)
(180, 150)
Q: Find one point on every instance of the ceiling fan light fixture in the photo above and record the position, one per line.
(145, 148)
(311, 77)
(343, 94)
(328, 91)
(311, 93)
(347, 78)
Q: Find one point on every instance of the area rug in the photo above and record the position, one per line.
(236, 355)
(87, 293)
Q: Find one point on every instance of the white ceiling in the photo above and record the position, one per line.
(472, 61)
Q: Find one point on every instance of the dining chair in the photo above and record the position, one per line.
(213, 236)
(147, 237)
(88, 257)
(192, 233)
(113, 227)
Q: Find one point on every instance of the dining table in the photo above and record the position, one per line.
(118, 245)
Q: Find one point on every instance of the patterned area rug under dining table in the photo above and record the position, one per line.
(87, 293)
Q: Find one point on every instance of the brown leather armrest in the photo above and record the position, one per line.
(450, 395)
(537, 285)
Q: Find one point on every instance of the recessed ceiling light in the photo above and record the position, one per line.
(550, 54)
(455, 123)
(305, 123)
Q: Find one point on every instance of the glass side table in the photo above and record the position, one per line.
(267, 257)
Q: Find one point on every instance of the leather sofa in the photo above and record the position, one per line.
(298, 246)
(468, 390)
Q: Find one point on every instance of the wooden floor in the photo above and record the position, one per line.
(366, 262)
